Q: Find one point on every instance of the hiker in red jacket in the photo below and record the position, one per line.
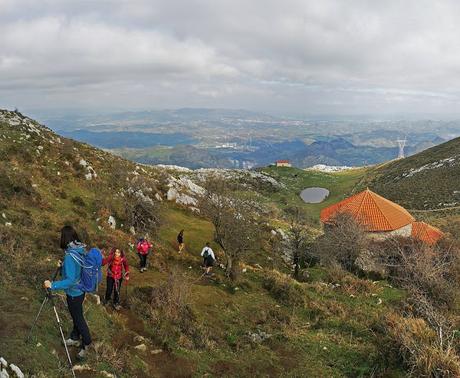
(116, 263)
(143, 248)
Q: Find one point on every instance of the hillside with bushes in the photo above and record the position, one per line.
(256, 320)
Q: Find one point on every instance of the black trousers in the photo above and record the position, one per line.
(113, 286)
(80, 328)
(143, 260)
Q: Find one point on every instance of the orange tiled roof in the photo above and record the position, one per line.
(426, 232)
(374, 212)
(282, 161)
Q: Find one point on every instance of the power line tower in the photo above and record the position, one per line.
(401, 144)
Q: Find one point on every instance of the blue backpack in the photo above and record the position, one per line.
(91, 270)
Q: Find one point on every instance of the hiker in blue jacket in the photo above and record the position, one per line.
(71, 272)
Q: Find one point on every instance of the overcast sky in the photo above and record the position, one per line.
(284, 56)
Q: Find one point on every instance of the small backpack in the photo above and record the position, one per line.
(91, 270)
(206, 253)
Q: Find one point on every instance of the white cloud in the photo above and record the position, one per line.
(295, 55)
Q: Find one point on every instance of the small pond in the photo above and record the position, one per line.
(314, 195)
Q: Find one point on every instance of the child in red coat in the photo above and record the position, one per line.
(116, 263)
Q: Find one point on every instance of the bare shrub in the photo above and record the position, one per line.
(418, 345)
(424, 270)
(171, 300)
(342, 242)
(167, 308)
(429, 274)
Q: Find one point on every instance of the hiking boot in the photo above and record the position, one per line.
(72, 342)
(117, 307)
(83, 353)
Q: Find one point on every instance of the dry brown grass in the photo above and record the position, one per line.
(419, 346)
(167, 309)
(107, 353)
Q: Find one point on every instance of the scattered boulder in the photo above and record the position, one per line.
(17, 371)
(81, 367)
(172, 194)
(107, 374)
(259, 336)
(112, 222)
(3, 363)
(141, 347)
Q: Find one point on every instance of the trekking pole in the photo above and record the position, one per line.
(199, 278)
(41, 307)
(126, 291)
(50, 296)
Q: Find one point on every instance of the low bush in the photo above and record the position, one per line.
(284, 288)
(166, 308)
(14, 183)
(78, 201)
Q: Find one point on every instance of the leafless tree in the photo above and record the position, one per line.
(143, 211)
(236, 225)
(298, 237)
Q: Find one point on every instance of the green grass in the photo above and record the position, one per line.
(428, 189)
(295, 180)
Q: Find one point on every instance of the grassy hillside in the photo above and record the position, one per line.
(174, 322)
(425, 181)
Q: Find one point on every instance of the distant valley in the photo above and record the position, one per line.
(219, 138)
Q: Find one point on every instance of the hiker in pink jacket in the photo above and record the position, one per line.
(143, 248)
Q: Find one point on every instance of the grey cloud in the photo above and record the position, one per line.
(295, 56)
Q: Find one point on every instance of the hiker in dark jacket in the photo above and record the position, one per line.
(143, 248)
(208, 258)
(71, 272)
(117, 269)
(180, 240)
